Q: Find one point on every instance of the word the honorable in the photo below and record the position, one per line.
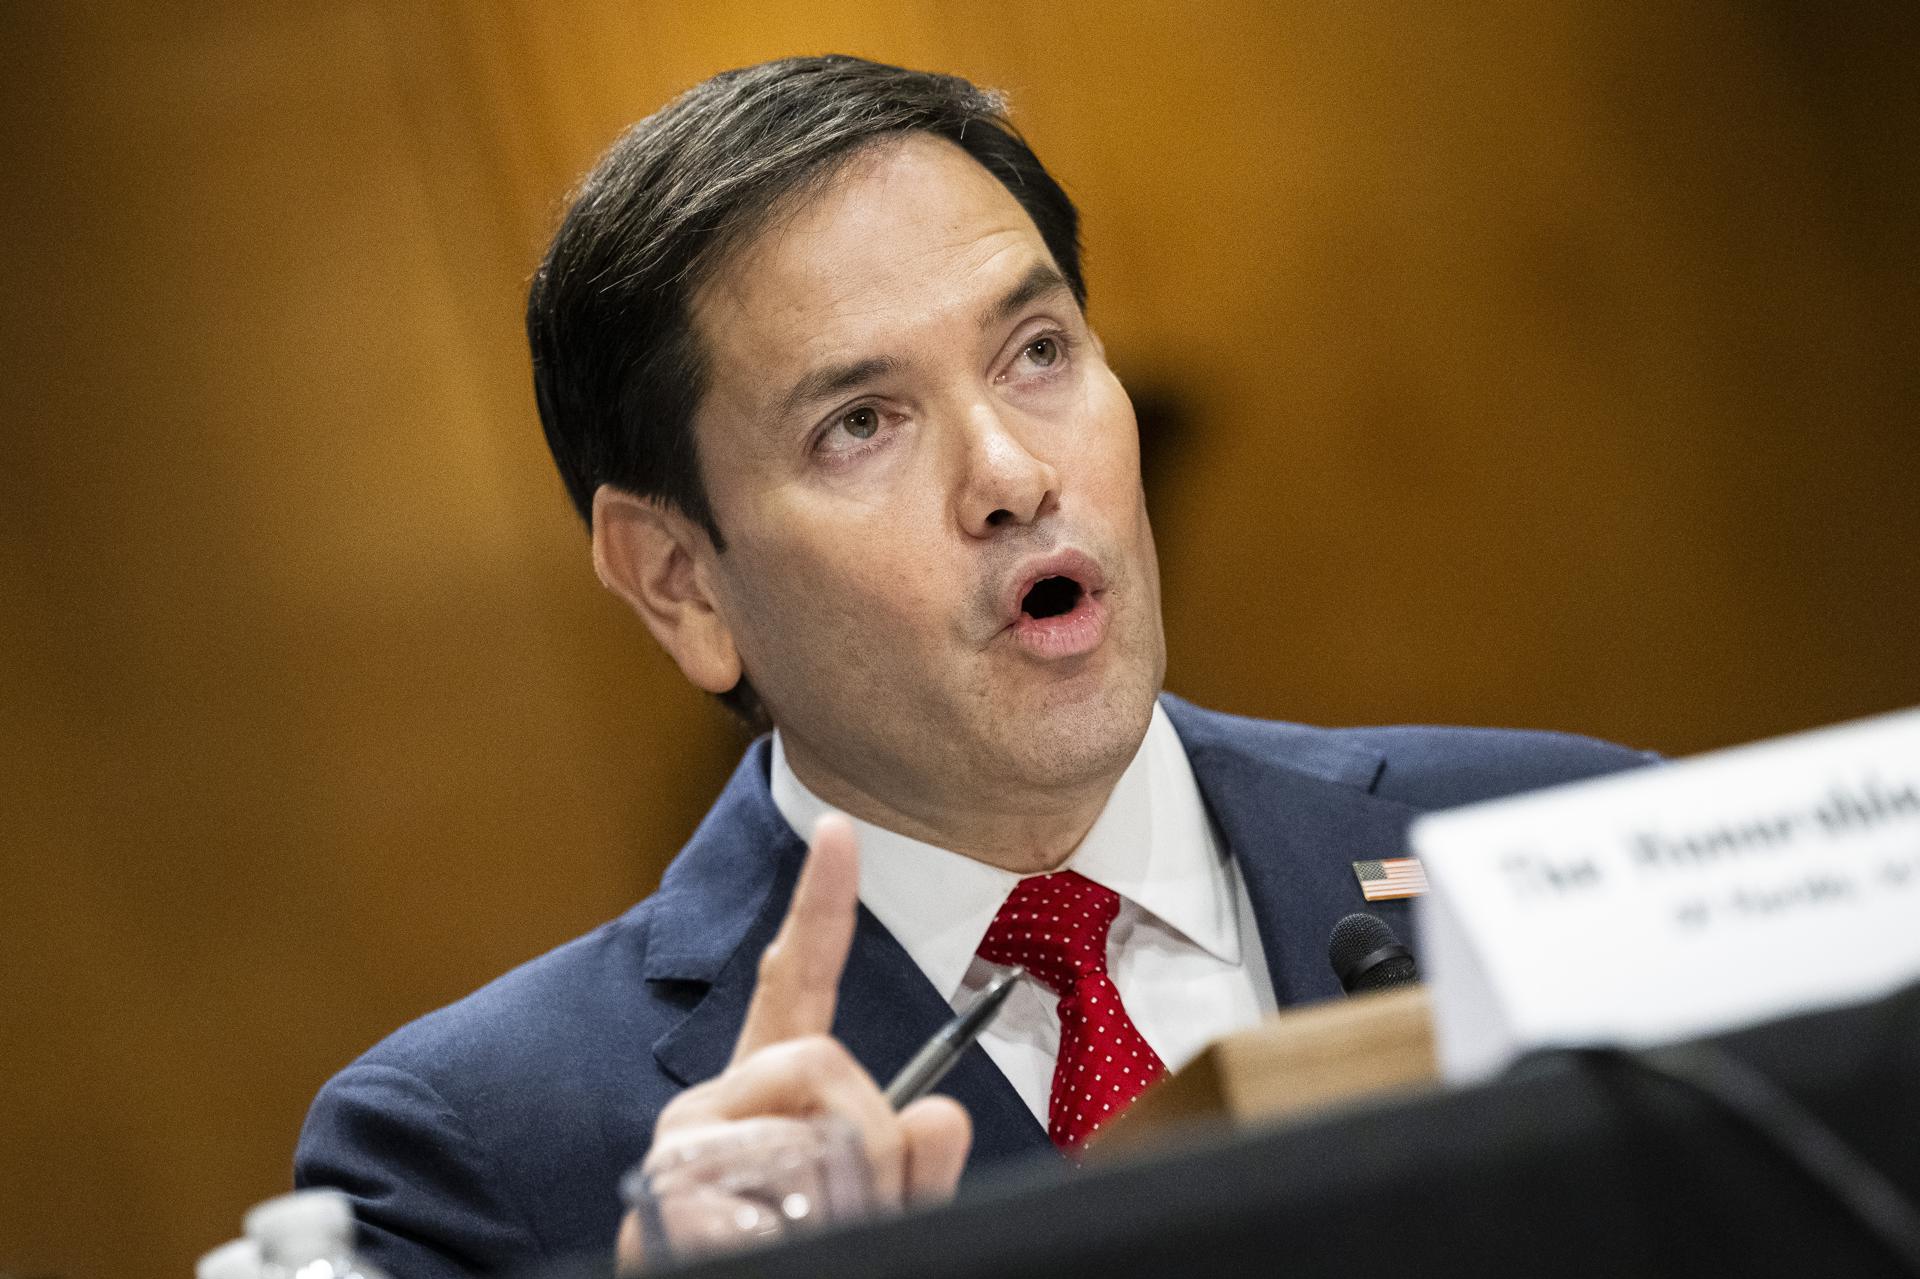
(1676, 900)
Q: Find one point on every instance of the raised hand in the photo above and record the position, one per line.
(787, 1065)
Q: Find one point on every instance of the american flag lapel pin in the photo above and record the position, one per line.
(1393, 878)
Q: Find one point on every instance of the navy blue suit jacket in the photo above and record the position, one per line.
(492, 1134)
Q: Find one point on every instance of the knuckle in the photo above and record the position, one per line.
(816, 1059)
(773, 962)
(684, 1108)
(820, 1055)
(887, 1145)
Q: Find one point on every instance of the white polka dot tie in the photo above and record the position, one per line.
(1055, 926)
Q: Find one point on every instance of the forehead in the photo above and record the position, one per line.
(911, 236)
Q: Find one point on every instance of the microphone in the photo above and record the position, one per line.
(1367, 956)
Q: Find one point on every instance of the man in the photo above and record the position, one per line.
(811, 354)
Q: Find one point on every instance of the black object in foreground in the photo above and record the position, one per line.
(1568, 1166)
(1367, 956)
(930, 1065)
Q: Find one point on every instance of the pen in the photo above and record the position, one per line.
(931, 1064)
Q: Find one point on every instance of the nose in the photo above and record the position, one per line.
(1004, 483)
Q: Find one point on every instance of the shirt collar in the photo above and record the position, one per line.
(1153, 844)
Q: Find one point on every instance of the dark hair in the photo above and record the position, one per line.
(617, 368)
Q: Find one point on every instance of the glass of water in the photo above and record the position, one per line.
(741, 1184)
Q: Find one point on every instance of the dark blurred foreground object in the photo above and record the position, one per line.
(1573, 1164)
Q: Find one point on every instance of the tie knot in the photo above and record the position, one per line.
(1055, 926)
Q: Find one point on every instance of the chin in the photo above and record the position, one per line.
(1081, 740)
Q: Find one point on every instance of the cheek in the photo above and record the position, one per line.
(873, 550)
(1106, 441)
(900, 593)
(859, 594)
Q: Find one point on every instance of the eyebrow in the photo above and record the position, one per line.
(834, 380)
(1041, 280)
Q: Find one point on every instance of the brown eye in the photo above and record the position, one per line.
(1044, 351)
(861, 423)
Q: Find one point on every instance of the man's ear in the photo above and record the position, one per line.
(656, 559)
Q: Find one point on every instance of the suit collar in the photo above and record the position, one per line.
(725, 879)
(1296, 807)
(720, 884)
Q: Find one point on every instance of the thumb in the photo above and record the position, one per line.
(937, 1132)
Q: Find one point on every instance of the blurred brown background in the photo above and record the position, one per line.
(1534, 364)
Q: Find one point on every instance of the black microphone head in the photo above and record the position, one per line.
(1365, 955)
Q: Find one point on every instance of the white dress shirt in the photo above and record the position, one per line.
(1184, 951)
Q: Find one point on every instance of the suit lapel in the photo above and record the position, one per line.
(888, 1009)
(721, 904)
(1296, 810)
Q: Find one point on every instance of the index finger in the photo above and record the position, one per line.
(799, 981)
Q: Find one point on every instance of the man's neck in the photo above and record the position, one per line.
(1024, 832)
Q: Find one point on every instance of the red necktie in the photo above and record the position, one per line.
(1055, 926)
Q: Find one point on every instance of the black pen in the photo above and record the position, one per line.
(931, 1064)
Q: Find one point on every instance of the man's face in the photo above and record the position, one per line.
(908, 424)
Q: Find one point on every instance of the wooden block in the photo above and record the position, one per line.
(1299, 1060)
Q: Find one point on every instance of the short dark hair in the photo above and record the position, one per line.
(617, 368)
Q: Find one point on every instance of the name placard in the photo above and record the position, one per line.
(1677, 900)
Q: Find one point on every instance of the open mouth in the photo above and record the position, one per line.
(1051, 597)
(1060, 612)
